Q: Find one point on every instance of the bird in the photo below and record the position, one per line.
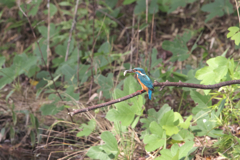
(143, 79)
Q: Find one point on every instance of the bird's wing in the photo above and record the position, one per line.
(146, 81)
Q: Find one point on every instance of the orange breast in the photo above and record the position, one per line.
(143, 86)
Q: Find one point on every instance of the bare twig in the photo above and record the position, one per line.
(146, 51)
(158, 84)
(48, 36)
(92, 54)
(34, 35)
(237, 11)
(71, 30)
(137, 43)
(150, 59)
(133, 23)
(92, 51)
(78, 64)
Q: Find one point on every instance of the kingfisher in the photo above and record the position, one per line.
(143, 79)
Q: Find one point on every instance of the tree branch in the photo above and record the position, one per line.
(157, 84)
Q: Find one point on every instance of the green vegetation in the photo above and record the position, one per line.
(65, 55)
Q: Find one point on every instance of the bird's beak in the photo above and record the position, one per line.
(129, 71)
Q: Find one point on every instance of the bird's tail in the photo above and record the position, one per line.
(150, 94)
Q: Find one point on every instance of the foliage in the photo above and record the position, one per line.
(93, 68)
(87, 129)
(178, 47)
(123, 112)
(234, 34)
(109, 150)
(217, 8)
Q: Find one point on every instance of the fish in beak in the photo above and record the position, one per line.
(129, 71)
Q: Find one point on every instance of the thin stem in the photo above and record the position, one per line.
(180, 104)
(150, 59)
(237, 11)
(71, 30)
(146, 52)
(43, 58)
(92, 54)
(48, 36)
(133, 23)
(137, 44)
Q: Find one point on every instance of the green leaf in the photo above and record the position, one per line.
(33, 138)
(220, 107)
(84, 73)
(140, 7)
(167, 122)
(218, 68)
(96, 153)
(33, 120)
(183, 135)
(14, 116)
(206, 74)
(111, 3)
(62, 49)
(177, 152)
(153, 7)
(205, 127)
(165, 154)
(217, 8)
(69, 73)
(135, 122)
(203, 101)
(123, 113)
(70, 94)
(65, 4)
(131, 85)
(186, 124)
(111, 145)
(232, 31)
(176, 3)
(236, 38)
(8, 3)
(126, 2)
(178, 47)
(2, 61)
(156, 129)
(33, 7)
(44, 31)
(154, 116)
(105, 48)
(185, 149)
(102, 60)
(12, 133)
(50, 109)
(53, 9)
(155, 61)
(154, 141)
(21, 64)
(8, 75)
(87, 129)
(106, 84)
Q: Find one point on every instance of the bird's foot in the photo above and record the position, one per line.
(141, 91)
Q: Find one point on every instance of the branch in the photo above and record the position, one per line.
(157, 84)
